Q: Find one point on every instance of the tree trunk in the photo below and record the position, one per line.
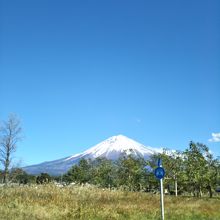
(194, 191)
(210, 190)
(200, 192)
(175, 182)
(6, 170)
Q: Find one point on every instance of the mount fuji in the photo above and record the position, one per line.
(111, 148)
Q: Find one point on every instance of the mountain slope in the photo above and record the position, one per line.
(112, 149)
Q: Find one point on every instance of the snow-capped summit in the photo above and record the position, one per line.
(111, 148)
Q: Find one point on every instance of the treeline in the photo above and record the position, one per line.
(19, 176)
(193, 171)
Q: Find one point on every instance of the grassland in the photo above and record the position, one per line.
(50, 202)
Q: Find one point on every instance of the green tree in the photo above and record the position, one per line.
(196, 167)
(43, 178)
(17, 175)
(174, 167)
(80, 173)
(103, 172)
(131, 173)
(211, 176)
(151, 180)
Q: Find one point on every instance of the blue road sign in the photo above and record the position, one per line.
(159, 172)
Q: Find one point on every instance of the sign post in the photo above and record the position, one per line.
(160, 173)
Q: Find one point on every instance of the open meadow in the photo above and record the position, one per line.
(49, 202)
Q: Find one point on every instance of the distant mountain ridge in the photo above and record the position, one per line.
(111, 148)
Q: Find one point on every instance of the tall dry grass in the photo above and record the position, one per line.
(49, 202)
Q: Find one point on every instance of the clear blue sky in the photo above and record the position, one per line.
(77, 72)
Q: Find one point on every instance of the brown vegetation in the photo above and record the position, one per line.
(75, 202)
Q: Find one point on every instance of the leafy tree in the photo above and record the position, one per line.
(43, 178)
(174, 167)
(151, 182)
(72, 174)
(131, 173)
(211, 176)
(103, 172)
(80, 173)
(196, 167)
(17, 175)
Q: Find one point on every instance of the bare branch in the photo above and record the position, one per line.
(10, 135)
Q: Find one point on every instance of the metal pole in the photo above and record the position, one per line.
(161, 199)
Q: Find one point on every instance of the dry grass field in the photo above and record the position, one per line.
(49, 202)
